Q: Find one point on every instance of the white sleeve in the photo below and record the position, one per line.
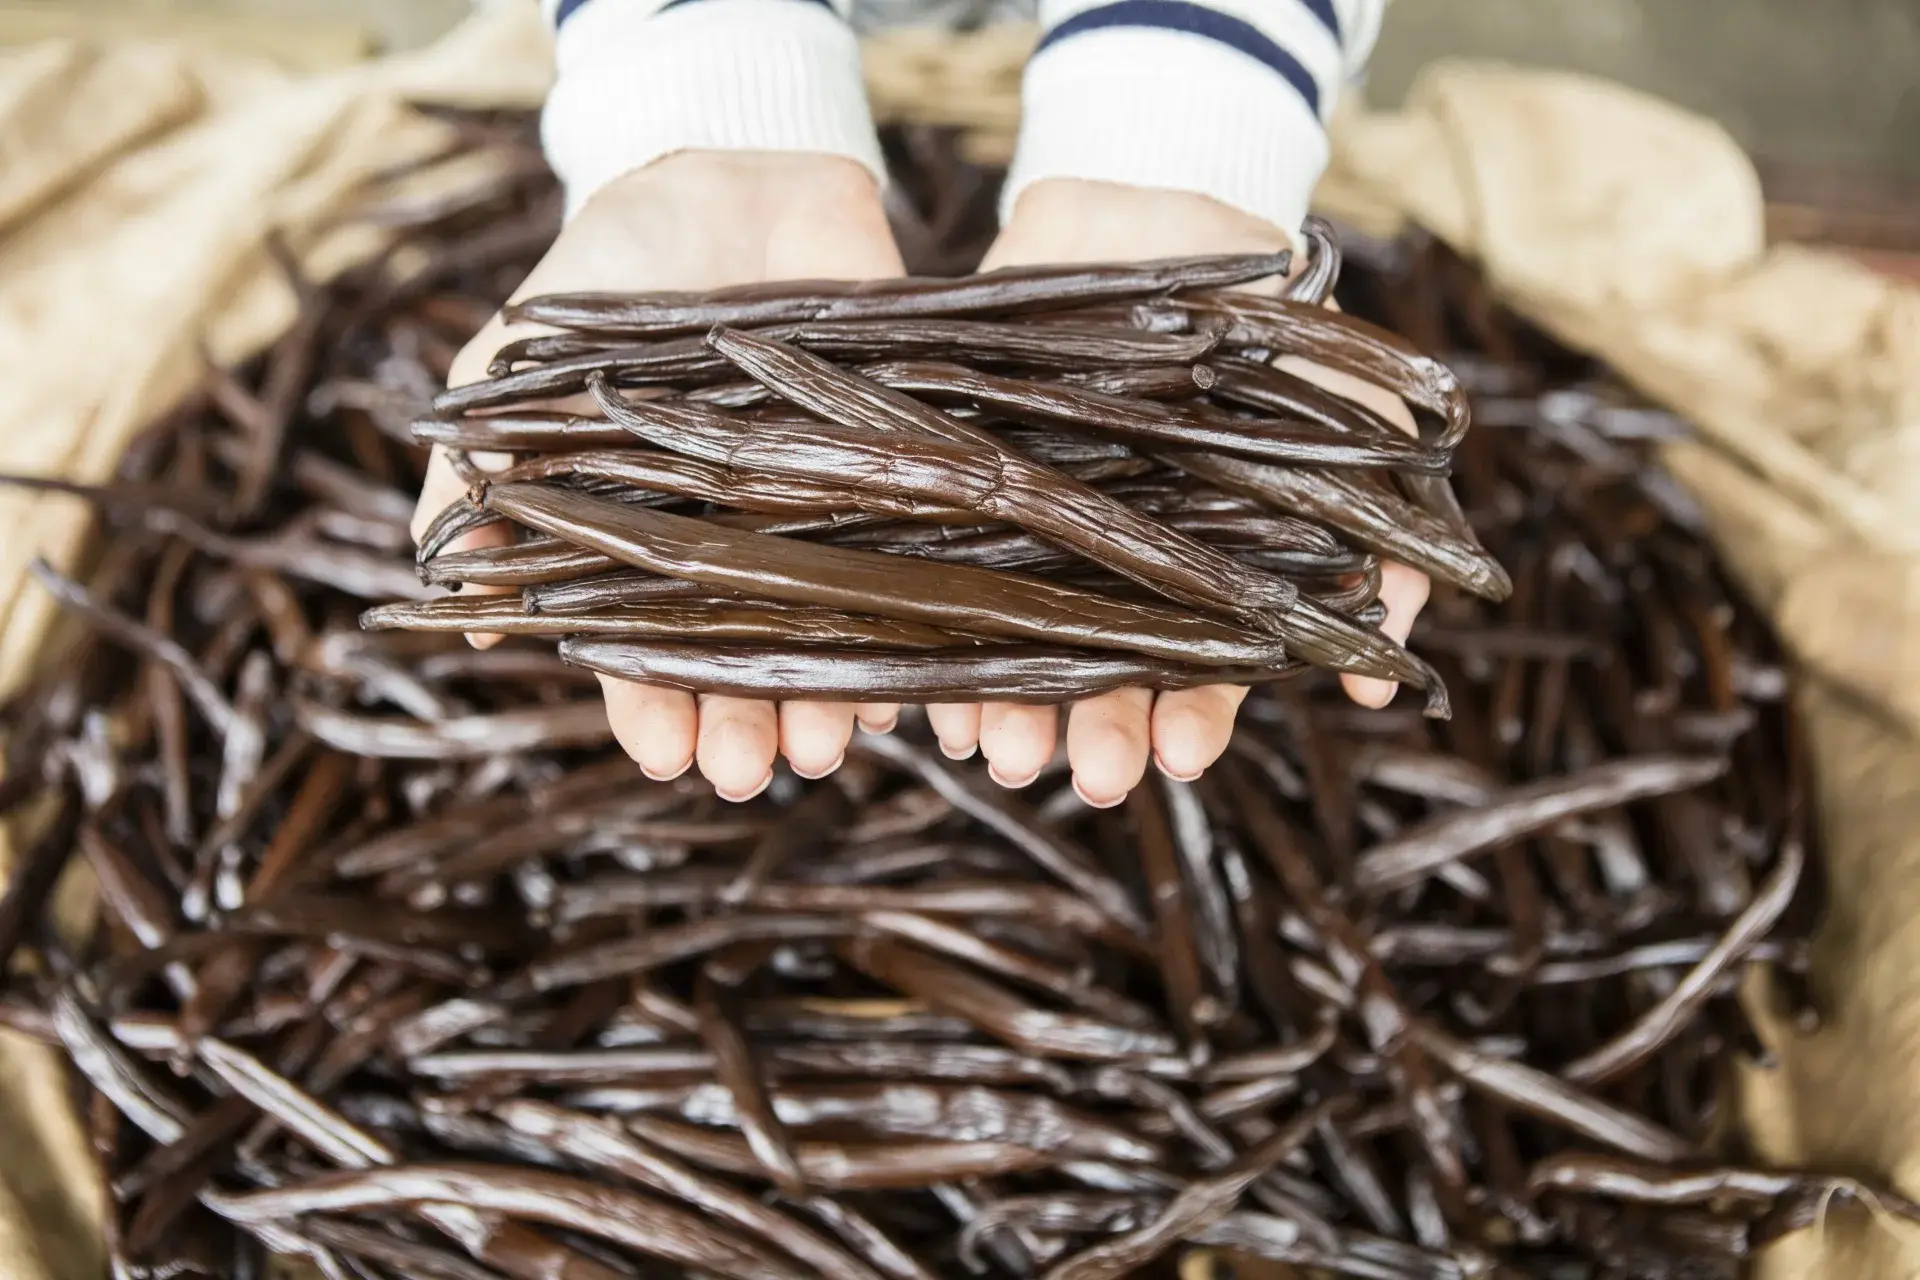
(641, 79)
(1225, 98)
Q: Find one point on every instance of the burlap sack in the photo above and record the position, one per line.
(137, 186)
(1621, 224)
(1633, 230)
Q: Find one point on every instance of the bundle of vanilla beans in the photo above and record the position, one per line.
(1036, 483)
(401, 968)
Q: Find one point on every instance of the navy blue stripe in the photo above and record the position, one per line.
(1177, 15)
(676, 4)
(568, 7)
(1323, 10)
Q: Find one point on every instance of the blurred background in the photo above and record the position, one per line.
(1825, 96)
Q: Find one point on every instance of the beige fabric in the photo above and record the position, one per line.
(1621, 224)
(107, 293)
(1633, 230)
(298, 43)
(65, 108)
(137, 184)
(51, 1205)
(1844, 1098)
(969, 81)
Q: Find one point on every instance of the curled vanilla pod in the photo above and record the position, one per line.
(1322, 274)
(1369, 514)
(1343, 342)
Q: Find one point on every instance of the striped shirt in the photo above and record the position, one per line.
(1225, 98)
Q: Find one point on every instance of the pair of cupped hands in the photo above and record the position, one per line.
(704, 219)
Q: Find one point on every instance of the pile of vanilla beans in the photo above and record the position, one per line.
(400, 967)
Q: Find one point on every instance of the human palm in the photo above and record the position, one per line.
(695, 221)
(1111, 738)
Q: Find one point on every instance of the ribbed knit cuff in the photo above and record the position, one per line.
(1169, 110)
(635, 84)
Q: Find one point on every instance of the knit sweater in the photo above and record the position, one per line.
(1225, 98)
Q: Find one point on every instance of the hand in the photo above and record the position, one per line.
(1110, 737)
(702, 220)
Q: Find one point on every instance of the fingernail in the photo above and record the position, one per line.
(1013, 784)
(745, 796)
(668, 777)
(798, 772)
(951, 754)
(1377, 699)
(1090, 802)
(1161, 765)
(881, 728)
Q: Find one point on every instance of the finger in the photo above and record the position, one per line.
(443, 487)
(814, 735)
(1017, 741)
(877, 717)
(957, 726)
(654, 726)
(1404, 591)
(440, 490)
(736, 745)
(1191, 727)
(1108, 740)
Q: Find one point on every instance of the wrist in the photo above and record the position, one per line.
(1072, 219)
(744, 183)
(754, 209)
(1173, 111)
(637, 85)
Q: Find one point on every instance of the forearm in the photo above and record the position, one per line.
(641, 79)
(1228, 99)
